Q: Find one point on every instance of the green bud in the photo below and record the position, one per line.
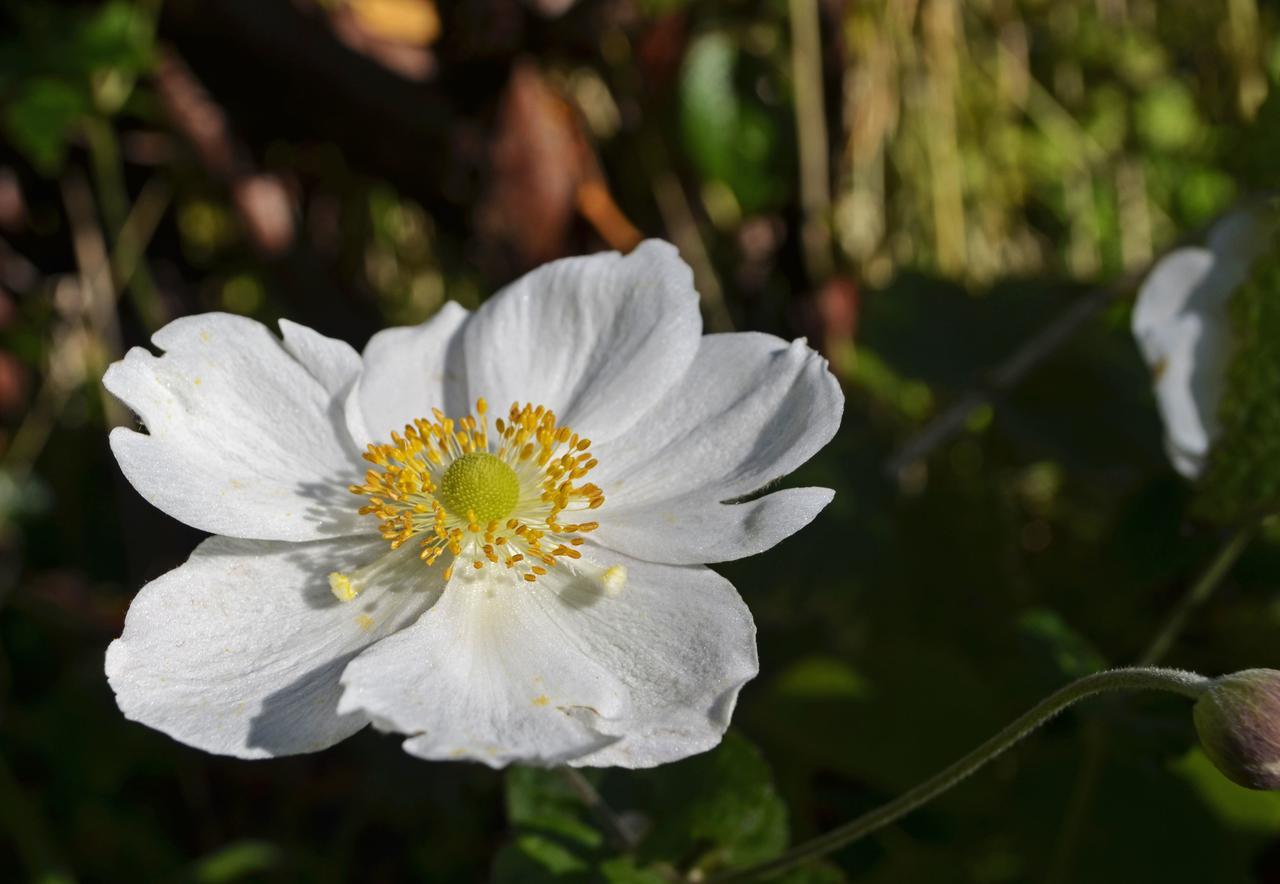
(1238, 720)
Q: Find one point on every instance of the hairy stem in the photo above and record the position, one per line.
(1137, 678)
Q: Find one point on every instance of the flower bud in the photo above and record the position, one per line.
(1238, 720)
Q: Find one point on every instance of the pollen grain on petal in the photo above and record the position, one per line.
(342, 587)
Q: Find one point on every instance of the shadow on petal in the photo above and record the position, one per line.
(294, 710)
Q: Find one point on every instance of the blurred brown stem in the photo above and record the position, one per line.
(113, 199)
(811, 137)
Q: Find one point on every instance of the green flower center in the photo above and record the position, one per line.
(479, 486)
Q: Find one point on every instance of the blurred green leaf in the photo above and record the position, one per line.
(624, 870)
(236, 861)
(535, 858)
(541, 799)
(1050, 639)
(719, 808)
(730, 134)
(1236, 806)
(1168, 117)
(40, 120)
(821, 677)
(69, 61)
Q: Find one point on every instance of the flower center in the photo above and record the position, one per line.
(479, 484)
(452, 489)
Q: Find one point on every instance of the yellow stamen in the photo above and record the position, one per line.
(450, 487)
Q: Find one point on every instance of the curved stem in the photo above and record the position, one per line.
(1136, 678)
(1096, 751)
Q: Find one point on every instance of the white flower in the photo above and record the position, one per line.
(497, 587)
(1180, 321)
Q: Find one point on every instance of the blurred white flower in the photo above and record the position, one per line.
(522, 587)
(1180, 321)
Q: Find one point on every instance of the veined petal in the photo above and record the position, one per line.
(241, 439)
(410, 370)
(335, 364)
(633, 667)
(751, 409)
(598, 339)
(239, 650)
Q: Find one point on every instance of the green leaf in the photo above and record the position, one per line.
(541, 799)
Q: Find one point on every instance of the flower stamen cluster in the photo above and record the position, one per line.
(451, 488)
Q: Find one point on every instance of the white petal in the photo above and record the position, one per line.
(1243, 235)
(1189, 380)
(597, 339)
(335, 364)
(564, 671)
(239, 650)
(751, 409)
(1181, 324)
(686, 531)
(241, 439)
(1198, 280)
(1167, 293)
(410, 370)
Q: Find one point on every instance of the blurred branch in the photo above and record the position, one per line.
(113, 199)
(17, 274)
(811, 135)
(1198, 593)
(614, 825)
(259, 198)
(678, 218)
(1009, 373)
(96, 302)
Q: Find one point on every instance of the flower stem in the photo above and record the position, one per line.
(615, 827)
(1199, 593)
(1136, 678)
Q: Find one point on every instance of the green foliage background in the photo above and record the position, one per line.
(989, 162)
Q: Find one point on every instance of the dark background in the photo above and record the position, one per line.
(918, 187)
